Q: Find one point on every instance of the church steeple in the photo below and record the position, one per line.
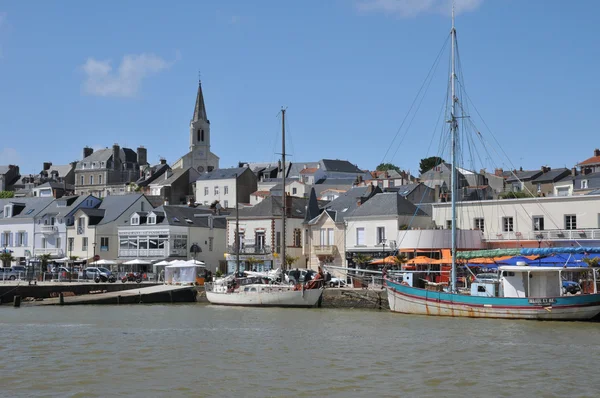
(199, 109)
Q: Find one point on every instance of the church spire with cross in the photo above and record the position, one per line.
(200, 109)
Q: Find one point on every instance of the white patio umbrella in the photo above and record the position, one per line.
(105, 262)
(137, 261)
(195, 262)
(61, 260)
(163, 262)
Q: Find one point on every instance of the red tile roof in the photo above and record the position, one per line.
(261, 193)
(309, 170)
(592, 160)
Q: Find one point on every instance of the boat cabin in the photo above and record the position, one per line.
(537, 282)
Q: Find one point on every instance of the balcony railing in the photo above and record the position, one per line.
(250, 249)
(48, 229)
(50, 251)
(325, 250)
(552, 234)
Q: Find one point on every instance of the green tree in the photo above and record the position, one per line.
(361, 259)
(515, 195)
(7, 194)
(429, 163)
(290, 260)
(6, 259)
(251, 261)
(44, 258)
(387, 166)
(591, 262)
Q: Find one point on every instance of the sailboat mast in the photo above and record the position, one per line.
(453, 130)
(237, 228)
(283, 197)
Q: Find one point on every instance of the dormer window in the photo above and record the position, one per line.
(8, 211)
(584, 184)
(151, 219)
(135, 220)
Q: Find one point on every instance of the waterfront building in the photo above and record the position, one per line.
(17, 225)
(199, 157)
(95, 230)
(372, 228)
(50, 230)
(325, 226)
(225, 185)
(174, 233)
(260, 239)
(559, 221)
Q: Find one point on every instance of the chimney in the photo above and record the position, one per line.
(47, 165)
(498, 172)
(574, 171)
(545, 169)
(116, 155)
(521, 168)
(142, 155)
(87, 151)
(436, 192)
(163, 161)
(73, 165)
(596, 152)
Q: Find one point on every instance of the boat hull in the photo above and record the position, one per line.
(272, 297)
(411, 300)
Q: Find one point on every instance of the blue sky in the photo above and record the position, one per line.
(96, 73)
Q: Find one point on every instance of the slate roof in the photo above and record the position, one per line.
(62, 211)
(271, 207)
(222, 174)
(62, 170)
(405, 190)
(342, 166)
(593, 180)
(552, 176)
(158, 170)
(384, 204)
(524, 175)
(115, 205)
(189, 216)
(56, 185)
(32, 207)
(346, 203)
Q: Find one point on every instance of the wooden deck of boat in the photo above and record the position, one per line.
(143, 295)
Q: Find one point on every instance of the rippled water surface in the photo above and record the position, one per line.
(198, 350)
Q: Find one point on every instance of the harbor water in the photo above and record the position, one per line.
(195, 350)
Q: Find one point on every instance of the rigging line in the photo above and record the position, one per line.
(416, 97)
(415, 113)
(537, 202)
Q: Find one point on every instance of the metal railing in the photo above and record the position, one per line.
(551, 234)
(325, 250)
(48, 229)
(250, 249)
(52, 251)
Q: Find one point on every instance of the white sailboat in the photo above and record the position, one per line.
(257, 290)
(518, 292)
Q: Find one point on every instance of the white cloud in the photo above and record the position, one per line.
(124, 81)
(9, 156)
(412, 8)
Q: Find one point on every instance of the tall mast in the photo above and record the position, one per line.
(237, 228)
(283, 198)
(453, 130)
